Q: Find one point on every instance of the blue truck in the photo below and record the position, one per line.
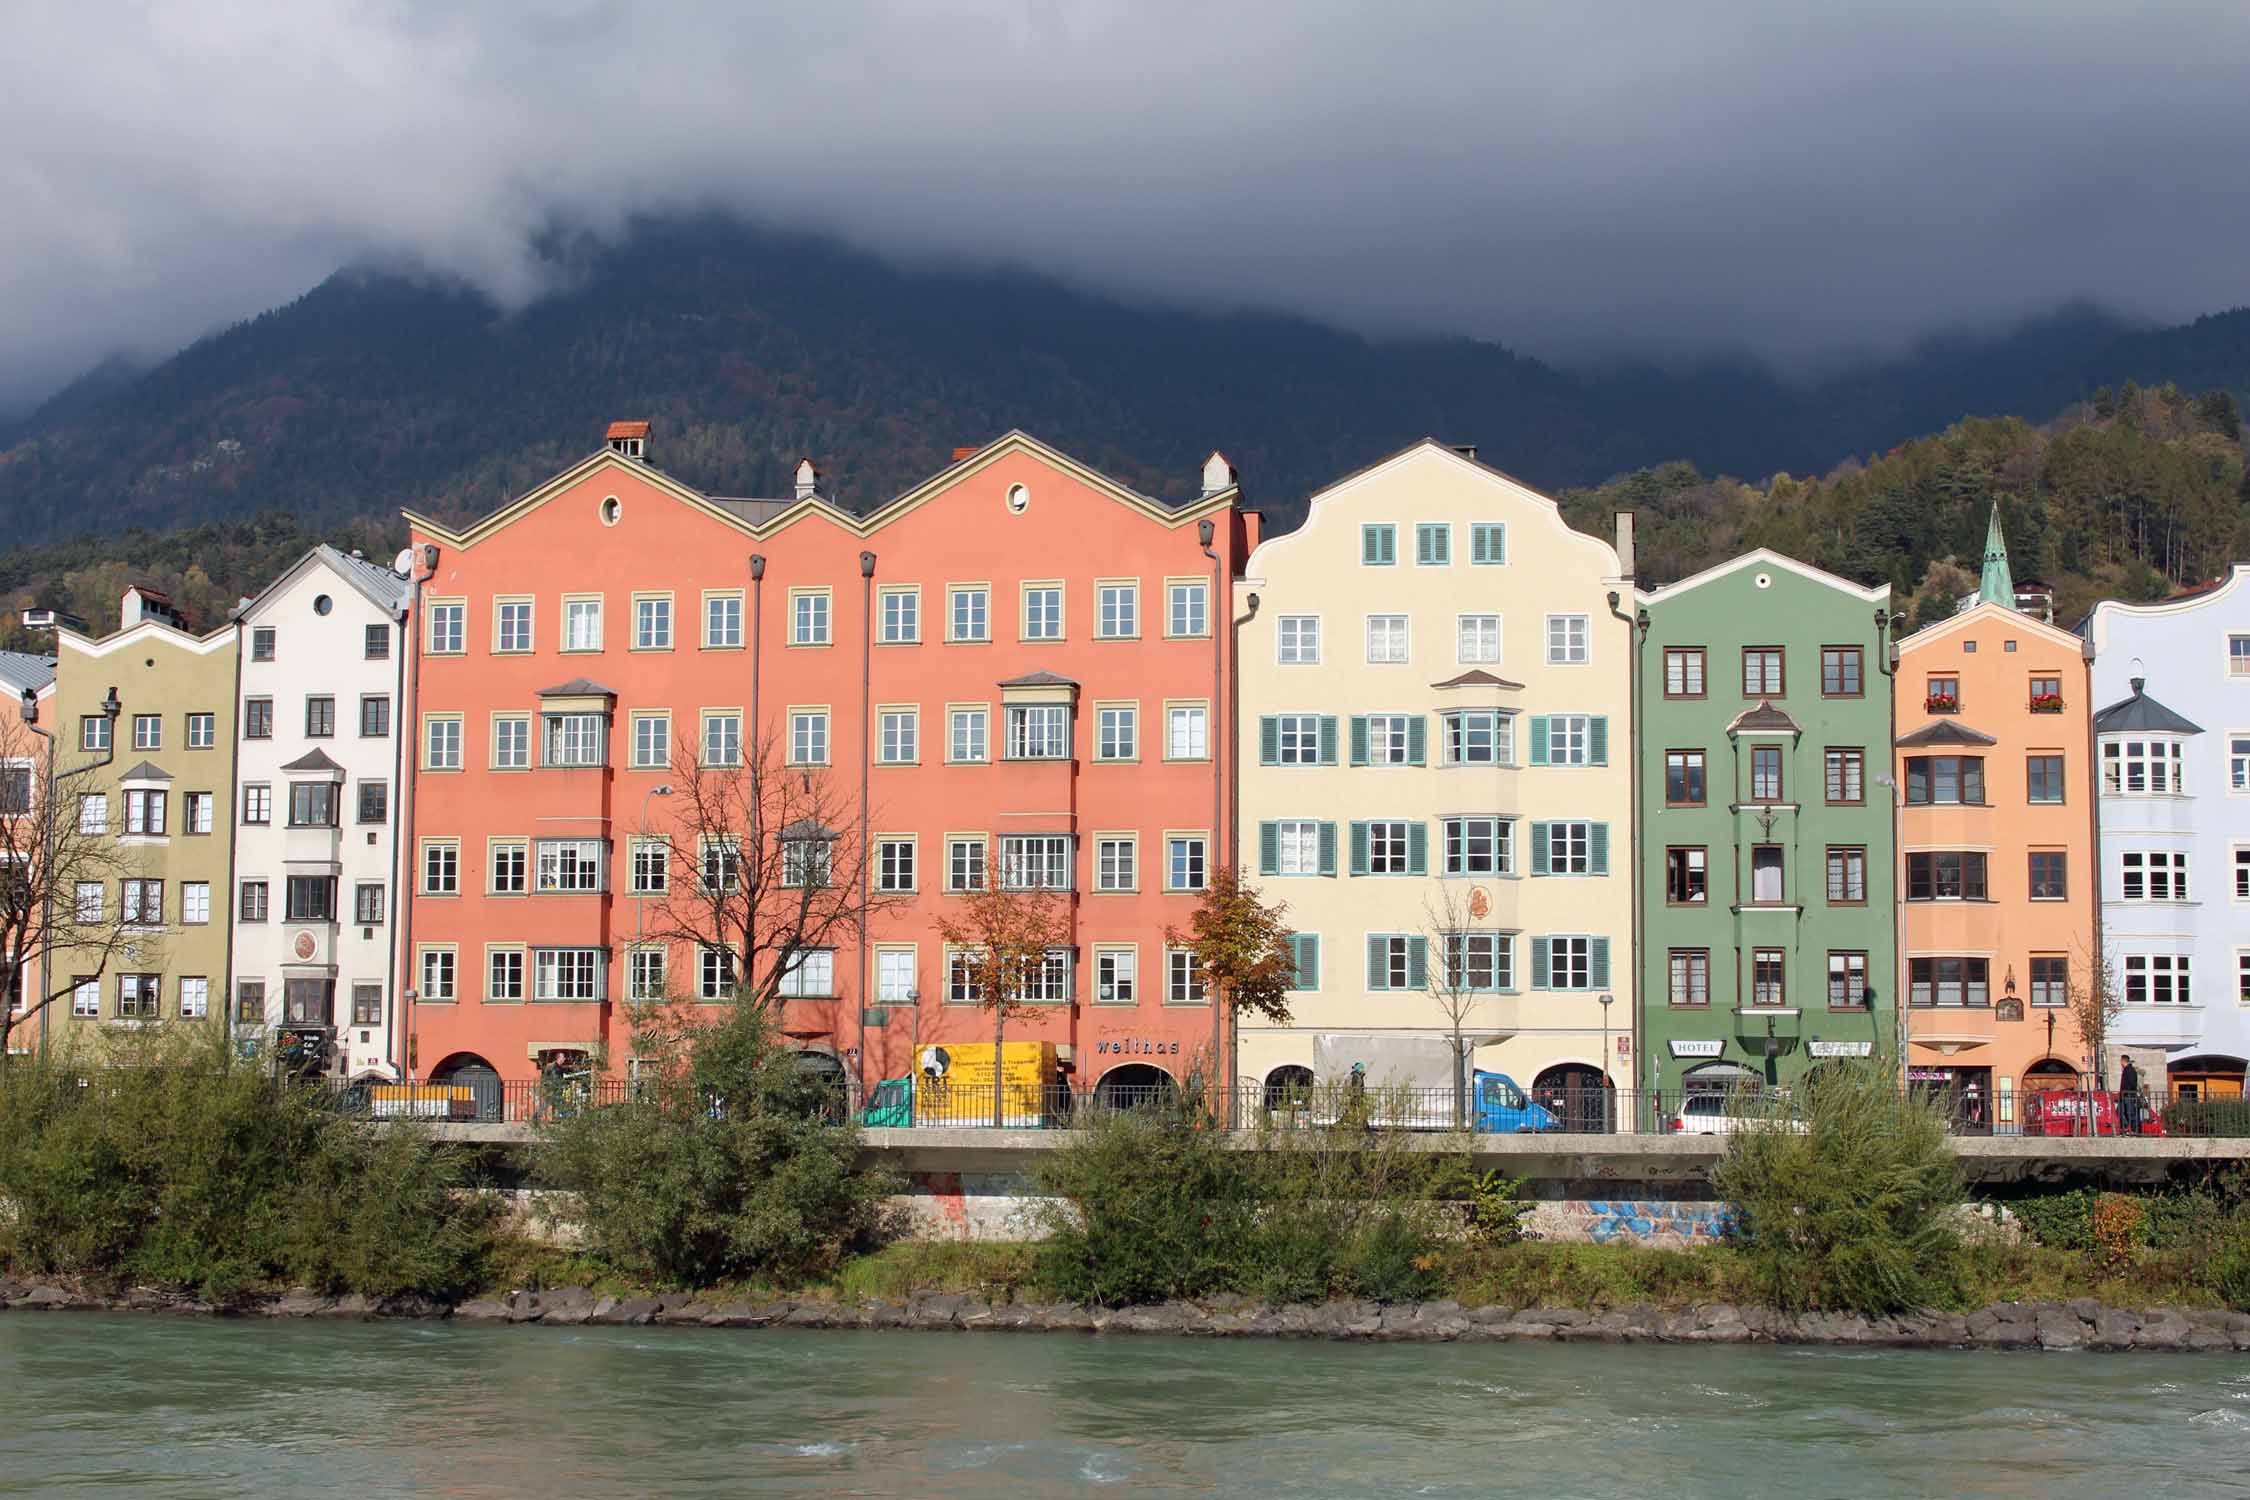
(1406, 1082)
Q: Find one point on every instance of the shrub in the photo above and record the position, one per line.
(1395, 1258)
(386, 1214)
(1850, 1207)
(2230, 1273)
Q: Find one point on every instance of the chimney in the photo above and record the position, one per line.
(961, 454)
(1466, 450)
(1218, 474)
(629, 440)
(131, 611)
(1625, 545)
(808, 479)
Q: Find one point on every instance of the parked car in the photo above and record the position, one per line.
(1724, 1114)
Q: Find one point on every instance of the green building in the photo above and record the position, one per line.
(1767, 853)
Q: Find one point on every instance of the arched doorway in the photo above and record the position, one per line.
(825, 1070)
(1135, 1086)
(1288, 1088)
(1578, 1096)
(2205, 1077)
(482, 1080)
(2050, 1073)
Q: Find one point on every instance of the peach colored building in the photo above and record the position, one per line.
(1018, 665)
(1993, 770)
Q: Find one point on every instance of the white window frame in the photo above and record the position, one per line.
(1477, 640)
(1390, 640)
(1296, 641)
(1570, 640)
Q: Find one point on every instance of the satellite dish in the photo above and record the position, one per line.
(403, 564)
(935, 1061)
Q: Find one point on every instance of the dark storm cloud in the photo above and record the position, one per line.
(1579, 180)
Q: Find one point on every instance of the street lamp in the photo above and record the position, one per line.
(1609, 1112)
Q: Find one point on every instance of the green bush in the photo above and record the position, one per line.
(2207, 1117)
(1852, 1205)
(1395, 1259)
(2230, 1273)
(728, 1165)
(385, 1213)
(2170, 1219)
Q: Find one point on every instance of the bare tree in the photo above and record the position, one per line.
(762, 863)
(1001, 939)
(1456, 982)
(2094, 1002)
(61, 921)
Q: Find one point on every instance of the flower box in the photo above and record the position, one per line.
(2046, 703)
(1941, 703)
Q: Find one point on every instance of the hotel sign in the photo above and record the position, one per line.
(1710, 1048)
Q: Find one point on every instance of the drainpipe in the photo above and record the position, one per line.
(1636, 634)
(866, 790)
(402, 731)
(402, 860)
(1234, 829)
(234, 854)
(757, 631)
(1205, 529)
(1886, 661)
(2100, 959)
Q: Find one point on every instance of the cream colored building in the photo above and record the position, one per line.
(1437, 773)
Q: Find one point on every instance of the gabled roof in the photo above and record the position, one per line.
(1767, 557)
(24, 672)
(1982, 612)
(147, 770)
(314, 759)
(376, 582)
(2186, 599)
(1943, 732)
(619, 430)
(1478, 677)
(578, 687)
(2143, 714)
(1763, 716)
(1040, 679)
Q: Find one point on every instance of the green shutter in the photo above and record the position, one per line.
(1269, 740)
(1307, 946)
(1328, 739)
(1327, 848)
(1539, 951)
(1359, 739)
(1597, 740)
(1417, 741)
(1417, 848)
(1378, 545)
(1359, 848)
(1597, 843)
(1488, 542)
(1538, 739)
(1597, 966)
(1417, 962)
(1269, 848)
(1538, 848)
(1378, 972)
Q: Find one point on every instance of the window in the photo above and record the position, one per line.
(2242, 873)
(1765, 773)
(374, 801)
(652, 624)
(15, 788)
(1050, 985)
(310, 898)
(574, 739)
(367, 1005)
(1846, 772)
(367, 903)
(582, 625)
(2154, 875)
(1761, 672)
(1297, 740)
(250, 1002)
(894, 865)
(438, 974)
(1943, 695)
(1116, 980)
(1184, 864)
(812, 975)
(1183, 978)
(312, 804)
(1479, 961)
(1479, 737)
(1042, 613)
(375, 716)
(1949, 981)
(808, 738)
(652, 867)
(93, 812)
(1847, 874)
(1683, 671)
(961, 986)
(714, 978)
(1683, 778)
(972, 614)
(1116, 864)
(1474, 846)
(86, 998)
(1187, 733)
(262, 643)
(1945, 875)
(1769, 984)
(1569, 740)
(646, 972)
(1385, 846)
(722, 739)
(722, 622)
(2050, 875)
(1378, 545)
(257, 804)
(199, 810)
(2141, 768)
(441, 868)
(88, 905)
(1689, 978)
(898, 736)
(1116, 735)
(2043, 777)
(900, 617)
(1479, 638)
(511, 743)
(1945, 780)
(2238, 763)
(139, 997)
(1297, 640)
(1188, 609)
(448, 628)
(511, 868)
(1841, 672)
(250, 900)
(2046, 695)
(1386, 740)
(1765, 875)
(144, 813)
(1686, 878)
(1396, 961)
(257, 719)
(1035, 862)
(1570, 963)
(968, 734)
(1386, 640)
(148, 731)
(652, 740)
(566, 974)
(2156, 979)
(964, 864)
(94, 732)
(202, 731)
(1117, 613)
(1433, 544)
(441, 744)
(570, 866)
(1572, 847)
(894, 976)
(2050, 981)
(1567, 639)
(376, 643)
(1488, 543)
(1038, 731)
(1294, 846)
(511, 625)
(2238, 656)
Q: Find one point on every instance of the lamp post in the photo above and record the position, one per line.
(112, 707)
(1609, 1107)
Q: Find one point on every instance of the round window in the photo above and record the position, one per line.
(1018, 498)
(322, 604)
(611, 510)
(1765, 580)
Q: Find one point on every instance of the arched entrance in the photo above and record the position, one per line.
(1578, 1096)
(1290, 1084)
(1135, 1086)
(487, 1100)
(825, 1070)
(2050, 1073)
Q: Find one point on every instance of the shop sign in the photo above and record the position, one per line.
(1710, 1048)
(1841, 1049)
(1138, 1046)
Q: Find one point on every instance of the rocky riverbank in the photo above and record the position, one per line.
(2081, 1324)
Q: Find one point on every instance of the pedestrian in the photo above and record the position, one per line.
(2129, 1097)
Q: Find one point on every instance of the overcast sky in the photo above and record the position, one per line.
(1798, 179)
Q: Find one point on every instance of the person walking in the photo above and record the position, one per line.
(2129, 1098)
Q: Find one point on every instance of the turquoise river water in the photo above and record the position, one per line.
(94, 1404)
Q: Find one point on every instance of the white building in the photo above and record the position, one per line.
(2172, 740)
(316, 808)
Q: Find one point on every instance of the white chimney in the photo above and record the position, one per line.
(1625, 545)
(129, 612)
(808, 479)
(1218, 474)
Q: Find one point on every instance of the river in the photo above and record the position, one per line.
(138, 1405)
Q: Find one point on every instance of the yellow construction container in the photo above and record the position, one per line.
(956, 1083)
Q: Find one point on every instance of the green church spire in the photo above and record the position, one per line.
(1998, 585)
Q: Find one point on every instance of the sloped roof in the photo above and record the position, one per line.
(315, 759)
(578, 687)
(627, 430)
(2143, 714)
(381, 587)
(147, 770)
(1943, 732)
(24, 672)
(1040, 679)
(1477, 677)
(1764, 716)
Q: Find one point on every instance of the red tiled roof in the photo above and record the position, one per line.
(961, 453)
(627, 430)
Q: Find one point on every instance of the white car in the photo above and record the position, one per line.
(1724, 1114)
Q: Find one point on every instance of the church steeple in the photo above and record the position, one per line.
(1998, 585)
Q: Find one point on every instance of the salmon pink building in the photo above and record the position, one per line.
(1017, 671)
